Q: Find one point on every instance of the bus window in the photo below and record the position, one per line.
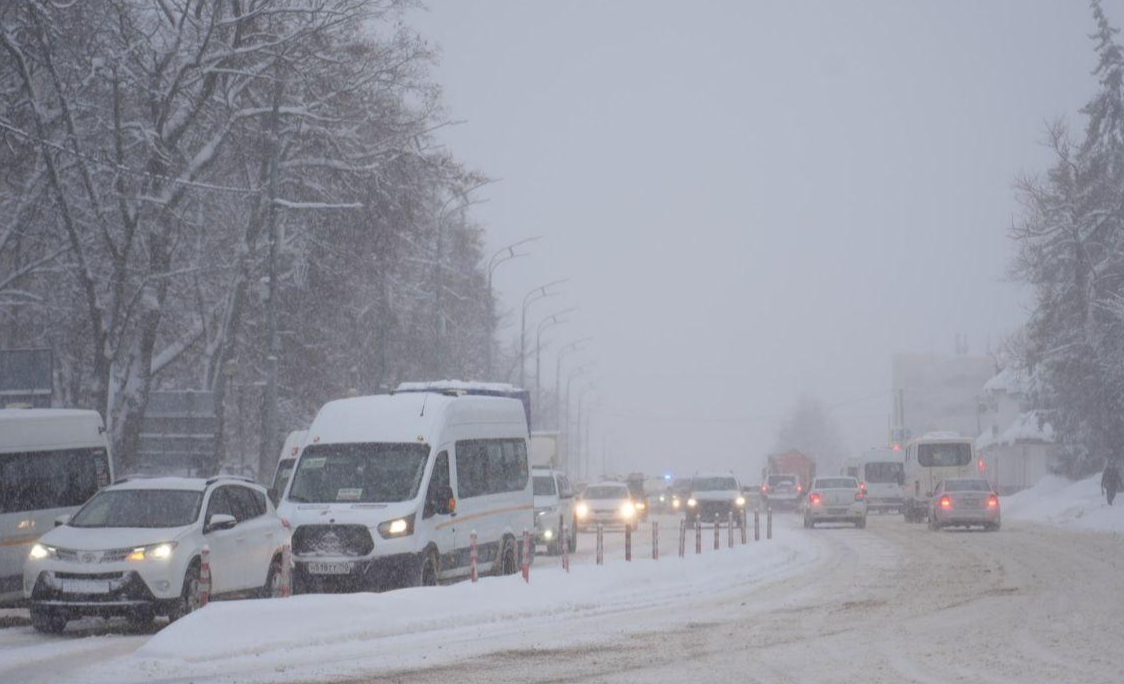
(51, 479)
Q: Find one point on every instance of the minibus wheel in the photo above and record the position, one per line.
(429, 570)
(507, 564)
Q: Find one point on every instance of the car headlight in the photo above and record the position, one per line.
(628, 510)
(675, 503)
(692, 503)
(740, 501)
(640, 505)
(159, 551)
(548, 534)
(581, 510)
(39, 552)
(399, 527)
(662, 499)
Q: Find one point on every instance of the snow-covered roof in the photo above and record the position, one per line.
(1012, 380)
(455, 385)
(191, 483)
(1025, 428)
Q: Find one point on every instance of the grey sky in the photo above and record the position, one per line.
(756, 199)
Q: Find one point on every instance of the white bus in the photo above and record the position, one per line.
(51, 462)
(388, 490)
(289, 452)
(929, 460)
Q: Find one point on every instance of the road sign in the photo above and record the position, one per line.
(25, 377)
(178, 431)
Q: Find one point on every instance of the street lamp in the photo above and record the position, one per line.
(501, 256)
(563, 352)
(574, 374)
(551, 320)
(581, 402)
(534, 295)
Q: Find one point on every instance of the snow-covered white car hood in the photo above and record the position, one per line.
(719, 495)
(103, 538)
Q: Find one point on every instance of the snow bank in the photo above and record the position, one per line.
(246, 638)
(1057, 501)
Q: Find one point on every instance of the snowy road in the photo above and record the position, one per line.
(892, 603)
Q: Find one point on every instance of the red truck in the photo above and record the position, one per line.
(786, 479)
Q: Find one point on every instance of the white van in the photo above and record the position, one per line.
(388, 490)
(51, 462)
(929, 460)
(289, 452)
(882, 474)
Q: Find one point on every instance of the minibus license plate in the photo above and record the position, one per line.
(329, 568)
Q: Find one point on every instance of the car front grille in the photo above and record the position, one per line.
(332, 540)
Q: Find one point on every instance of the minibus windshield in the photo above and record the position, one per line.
(358, 473)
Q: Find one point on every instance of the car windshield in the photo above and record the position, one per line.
(880, 473)
(837, 483)
(714, 484)
(944, 455)
(775, 480)
(358, 473)
(603, 492)
(544, 485)
(967, 486)
(140, 508)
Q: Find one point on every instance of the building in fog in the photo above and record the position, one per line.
(935, 393)
(1016, 447)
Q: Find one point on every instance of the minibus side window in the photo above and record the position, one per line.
(437, 482)
(55, 479)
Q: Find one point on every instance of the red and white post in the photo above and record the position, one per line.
(286, 571)
(526, 556)
(628, 542)
(655, 540)
(565, 545)
(682, 538)
(745, 533)
(717, 532)
(474, 558)
(205, 576)
(730, 530)
(757, 524)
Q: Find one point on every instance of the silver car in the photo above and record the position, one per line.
(835, 499)
(964, 502)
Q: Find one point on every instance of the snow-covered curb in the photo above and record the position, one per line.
(1060, 502)
(259, 640)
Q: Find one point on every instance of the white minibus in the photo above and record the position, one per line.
(51, 462)
(289, 452)
(929, 460)
(388, 491)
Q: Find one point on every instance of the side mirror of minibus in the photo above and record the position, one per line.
(446, 503)
(220, 521)
(62, 520)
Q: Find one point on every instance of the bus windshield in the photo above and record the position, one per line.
(358, 473)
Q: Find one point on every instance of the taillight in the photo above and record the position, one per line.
(946, 502)
(860, 495)
(862, 486)
(764, 488)
(799, 488)
(993, 501)
(815, 499)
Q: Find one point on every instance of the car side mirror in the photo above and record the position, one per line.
(220, 521)
(62, 520)
(446, 503)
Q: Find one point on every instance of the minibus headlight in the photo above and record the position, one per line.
(692, 503)
(39, 552)
(399, 527)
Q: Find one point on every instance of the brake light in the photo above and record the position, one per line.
(799, 488)
(860, 495)
(993, 501)
(862, 486)
(946, 502)
(764, 488)
(815, 499)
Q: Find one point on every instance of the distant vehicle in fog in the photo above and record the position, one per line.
(289, 452)
(835, 499)
(929, 460)
(714, 496)
(882, 472)
(785, 477)
(607, 503)
(51, 462)
(554, 505)
(968, 502)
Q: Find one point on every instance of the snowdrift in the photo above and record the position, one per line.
(1060, 502)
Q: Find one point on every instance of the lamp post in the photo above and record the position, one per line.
(500, 257)
(562, 353)
(583, 451)
(574, 374)
(531, 297)
(549, 321)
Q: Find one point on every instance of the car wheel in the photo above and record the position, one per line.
(188, 602)
(272, 588)
(47, 621)
(808, 524)
(428, 577)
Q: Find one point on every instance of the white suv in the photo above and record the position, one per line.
(133, 550)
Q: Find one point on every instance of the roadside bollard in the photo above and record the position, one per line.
(730, 530)
(769, 523)
(286, 571)
(473, 558)
(565, 545)
(757, 524)
(628, 542)
(526, 555)
(717, 531)
(655, 540)
(205, 576)
(743, 526)
(683, 538)
(698, 536)
(600, 544)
